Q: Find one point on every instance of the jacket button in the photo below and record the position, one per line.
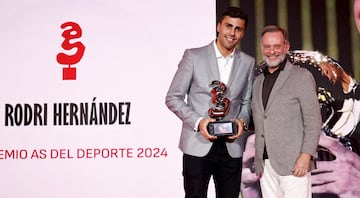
(262, 135)
(264, 117)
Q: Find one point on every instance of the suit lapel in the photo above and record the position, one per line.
(258, 89)
(235, 67)
(212, 61)
(280, 81)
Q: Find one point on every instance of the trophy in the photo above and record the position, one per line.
(219, 111)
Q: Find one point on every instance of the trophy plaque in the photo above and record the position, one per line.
(220, 108)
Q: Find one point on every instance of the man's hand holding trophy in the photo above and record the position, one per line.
(217, 126)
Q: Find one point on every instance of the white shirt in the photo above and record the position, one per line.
(224, 64)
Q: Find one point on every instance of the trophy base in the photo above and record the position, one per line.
(222, 128)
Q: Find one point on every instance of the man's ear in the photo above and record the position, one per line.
(287, 45)
(217, 27)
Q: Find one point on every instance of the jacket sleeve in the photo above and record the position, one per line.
(311, 113)
(179, 87)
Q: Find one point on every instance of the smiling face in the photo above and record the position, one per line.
(274, 48)
(230, 32)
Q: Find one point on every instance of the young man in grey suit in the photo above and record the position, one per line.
(207, 155)
(287, 120)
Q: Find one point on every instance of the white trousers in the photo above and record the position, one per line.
(276, 186)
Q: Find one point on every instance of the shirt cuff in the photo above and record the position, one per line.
(196, 127)
(244, 124)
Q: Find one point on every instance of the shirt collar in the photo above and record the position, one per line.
(218, 54)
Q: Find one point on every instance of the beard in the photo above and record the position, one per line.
(279, 59)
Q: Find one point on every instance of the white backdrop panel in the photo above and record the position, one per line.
(132, 49)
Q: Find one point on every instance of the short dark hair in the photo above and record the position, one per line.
(234, 12)
(275, 28)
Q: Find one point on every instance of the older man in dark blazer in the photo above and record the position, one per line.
(287, 120)
(206, 155)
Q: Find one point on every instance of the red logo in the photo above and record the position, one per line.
(72, 31)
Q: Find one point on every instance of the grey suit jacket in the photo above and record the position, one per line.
(291, 122)
(197, 69)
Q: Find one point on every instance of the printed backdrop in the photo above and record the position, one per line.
(83, 87)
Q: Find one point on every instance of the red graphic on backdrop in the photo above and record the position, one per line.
(73, 31)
